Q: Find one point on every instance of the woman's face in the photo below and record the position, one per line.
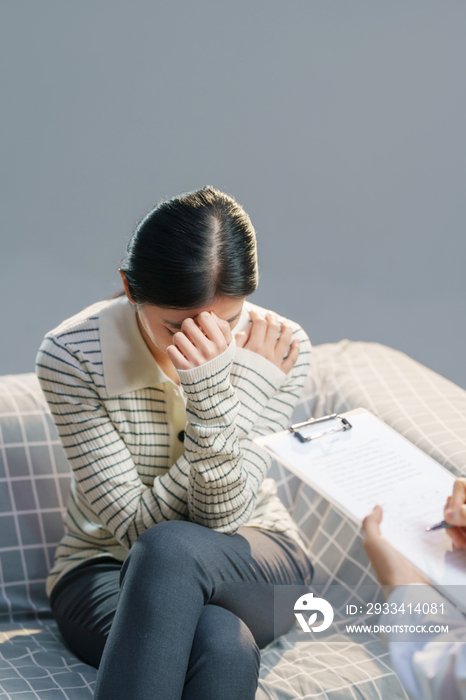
(158, 325)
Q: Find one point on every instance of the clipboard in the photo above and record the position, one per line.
(355, 460)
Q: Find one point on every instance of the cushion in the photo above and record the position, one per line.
(34, 664)
(34, 484)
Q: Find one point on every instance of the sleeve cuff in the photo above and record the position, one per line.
(268, 376)
(209, 375)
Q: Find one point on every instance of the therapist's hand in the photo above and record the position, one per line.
(455, 513)
(271, 339)
(391, 567)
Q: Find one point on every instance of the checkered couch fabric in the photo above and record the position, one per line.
(35, 664)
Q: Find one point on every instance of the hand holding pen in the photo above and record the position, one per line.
(455, 515)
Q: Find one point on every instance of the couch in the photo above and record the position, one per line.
(426, 408)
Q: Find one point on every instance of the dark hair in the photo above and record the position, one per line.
(191, 249)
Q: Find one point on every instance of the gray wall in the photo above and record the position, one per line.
(340, 127)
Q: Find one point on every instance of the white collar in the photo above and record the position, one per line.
(127, 362)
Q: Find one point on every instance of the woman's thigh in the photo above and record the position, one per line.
(278, 557)
(84, 603)
(186, 566)
(283, 574)
(255, 574)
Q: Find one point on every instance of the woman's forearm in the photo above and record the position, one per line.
(226, 467)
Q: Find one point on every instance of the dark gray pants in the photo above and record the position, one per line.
(184, 616)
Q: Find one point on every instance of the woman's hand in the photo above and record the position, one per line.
(391, 567)
(271, 339)
(455, 513)
(201, 339)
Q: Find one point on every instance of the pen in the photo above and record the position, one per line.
(439, 526)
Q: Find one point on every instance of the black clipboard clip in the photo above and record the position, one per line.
(345, 425)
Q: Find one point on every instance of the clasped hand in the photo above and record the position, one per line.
(206, 336)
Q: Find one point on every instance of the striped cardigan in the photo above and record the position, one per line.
(119, 419)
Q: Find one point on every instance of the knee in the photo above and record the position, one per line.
(164, 546)
(172, 537)
(226, 641)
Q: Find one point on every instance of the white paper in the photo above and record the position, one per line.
(372, 464)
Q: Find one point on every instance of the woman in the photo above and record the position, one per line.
(431, 665)
(175, 541)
